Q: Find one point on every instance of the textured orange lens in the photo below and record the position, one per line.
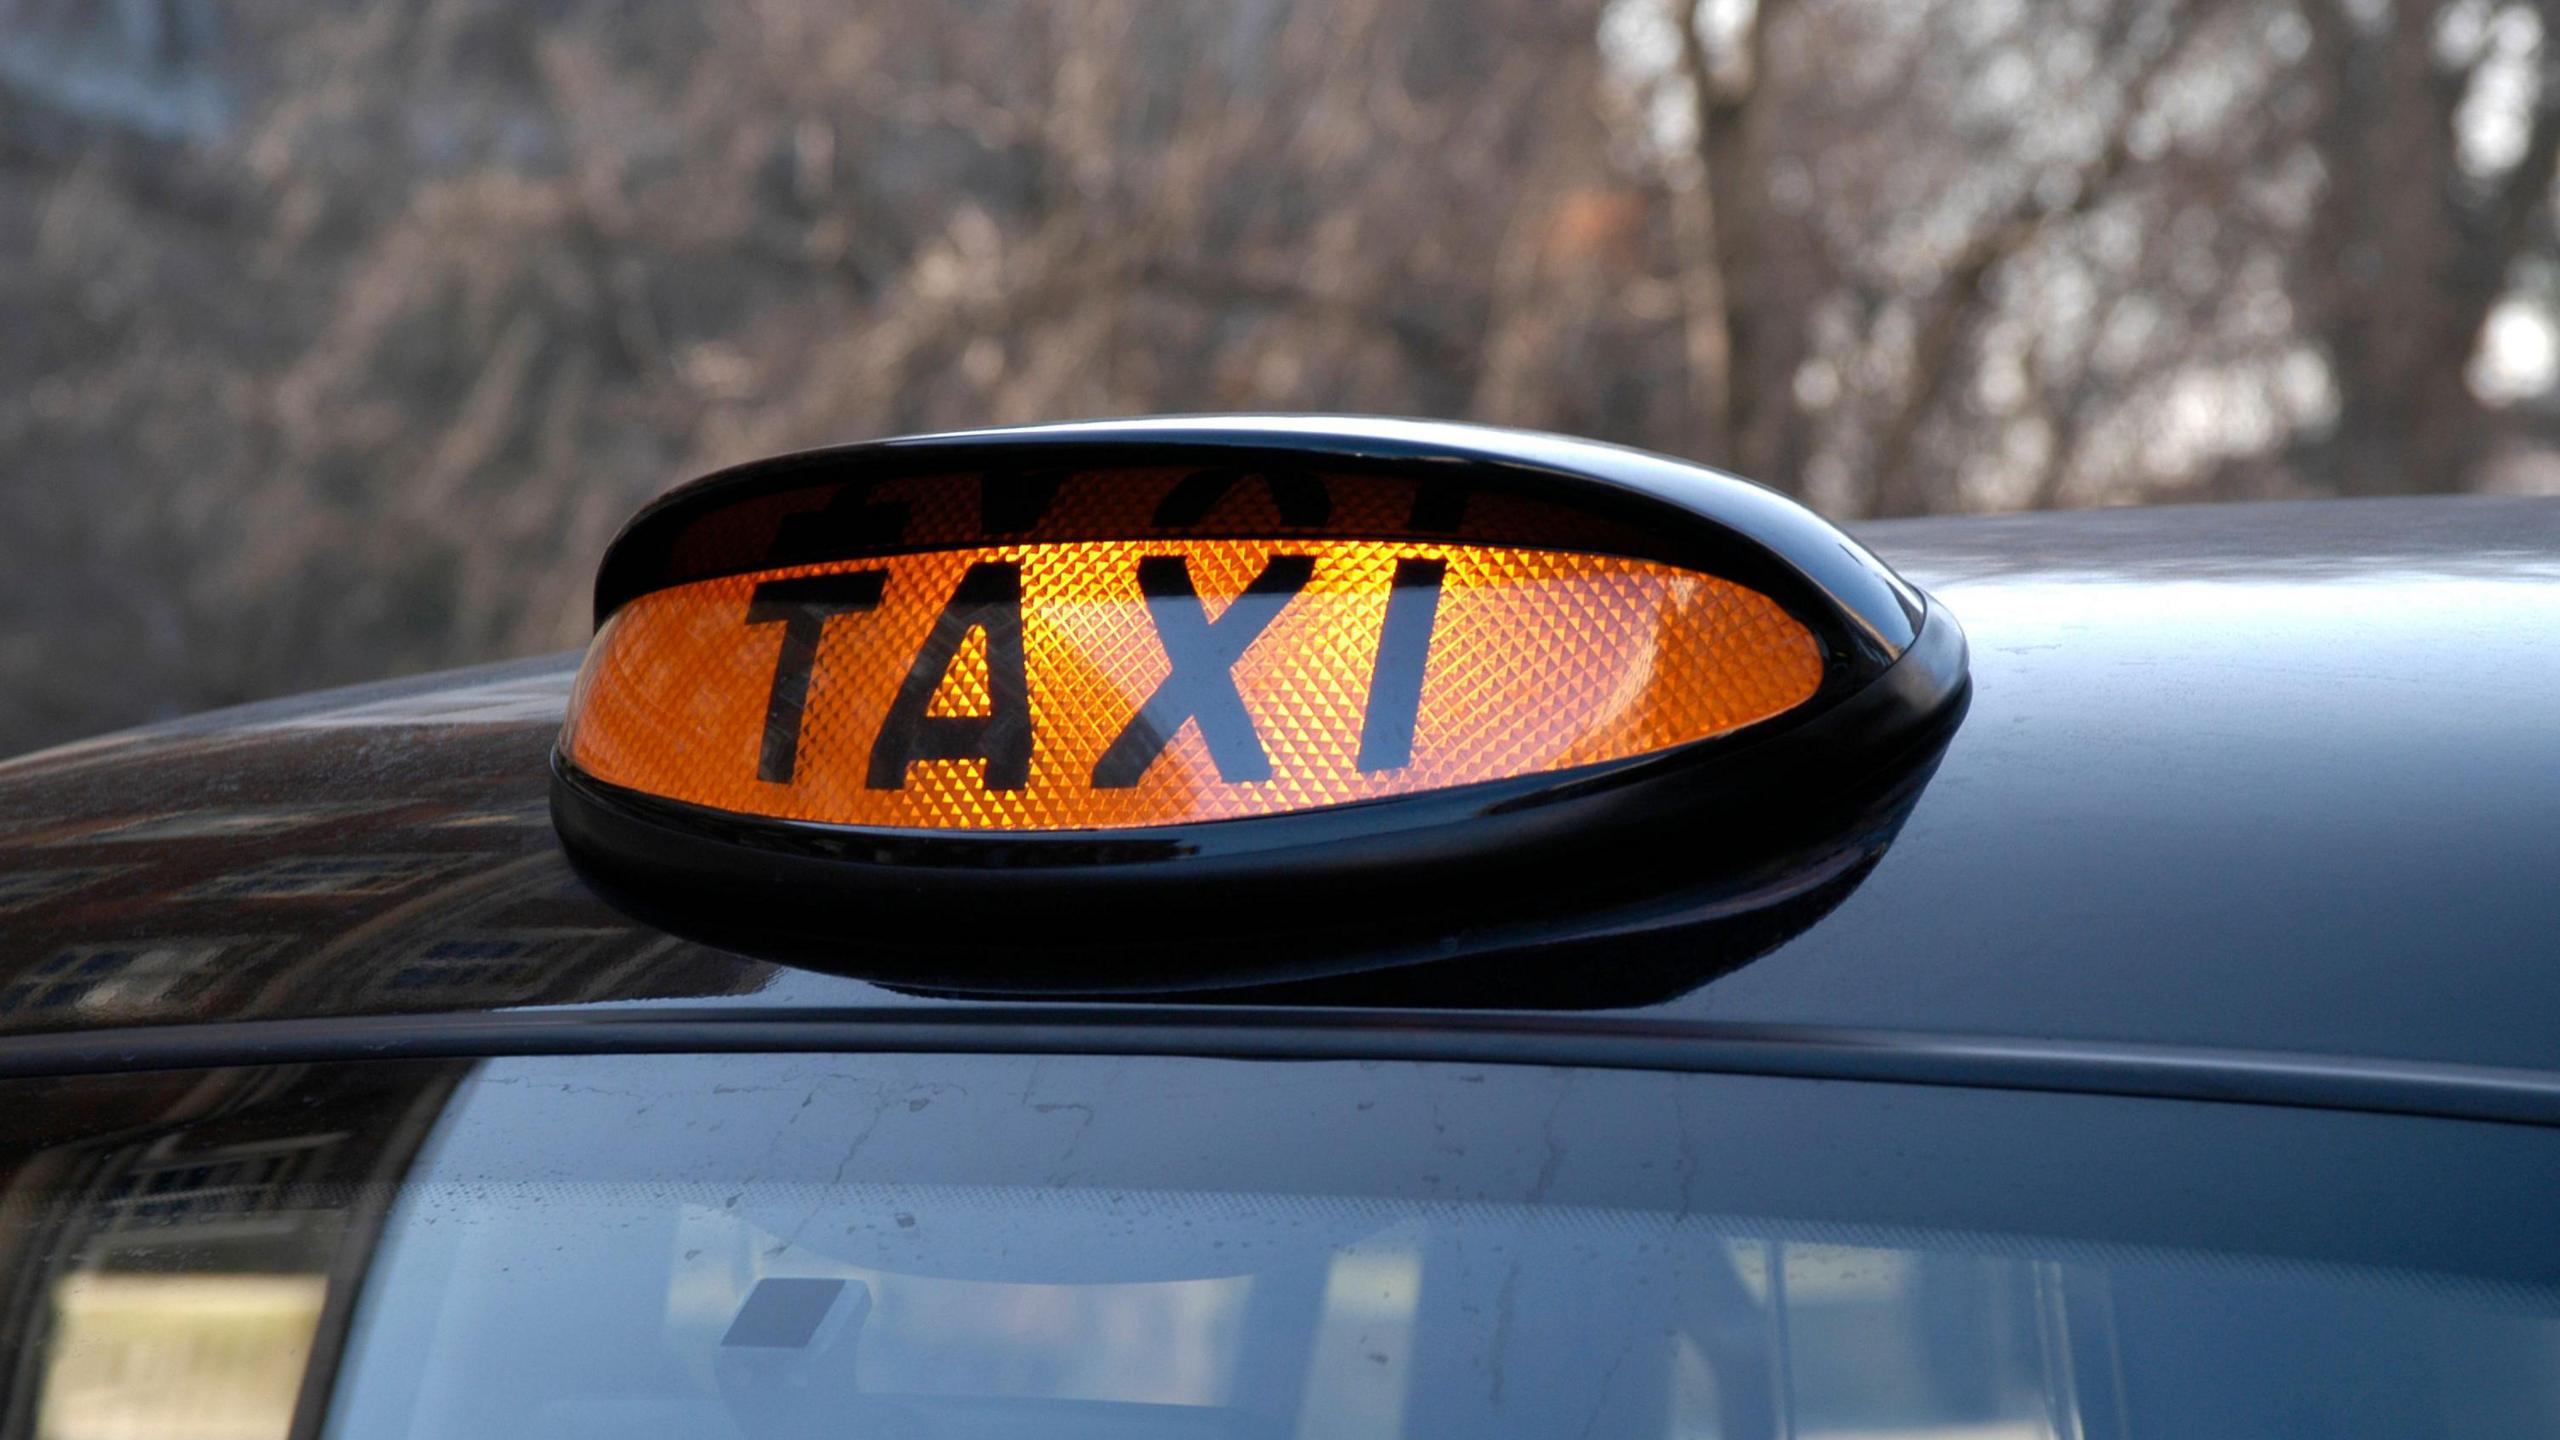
(1113, 684)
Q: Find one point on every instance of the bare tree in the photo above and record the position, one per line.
(344, 336)
(2409, 250)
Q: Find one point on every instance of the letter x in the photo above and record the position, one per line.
(1202, 685)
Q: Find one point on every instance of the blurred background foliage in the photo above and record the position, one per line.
(340, 334)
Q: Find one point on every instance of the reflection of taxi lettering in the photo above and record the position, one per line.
(1286, 927)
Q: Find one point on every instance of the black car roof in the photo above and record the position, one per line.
(2274, 779)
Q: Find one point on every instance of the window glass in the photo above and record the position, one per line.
(998, 1246)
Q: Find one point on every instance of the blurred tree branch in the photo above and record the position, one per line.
(2399, 205)
(1743, 351)
(1949, 315)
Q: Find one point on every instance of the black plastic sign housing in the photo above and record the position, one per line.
(1743, 822)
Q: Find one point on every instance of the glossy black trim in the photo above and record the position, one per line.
(2151, 1072)
(1544, 942)
(1694, 514)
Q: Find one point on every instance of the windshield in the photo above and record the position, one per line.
(989, 1246)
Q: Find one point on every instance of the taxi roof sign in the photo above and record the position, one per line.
(1093, 685)
(1046, 672)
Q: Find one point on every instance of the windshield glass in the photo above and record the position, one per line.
(989, 1246)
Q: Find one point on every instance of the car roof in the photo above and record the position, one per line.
(2252, 778)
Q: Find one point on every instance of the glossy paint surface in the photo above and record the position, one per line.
(2273, 778)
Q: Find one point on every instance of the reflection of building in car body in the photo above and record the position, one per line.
(134, 908)
(210, 1228)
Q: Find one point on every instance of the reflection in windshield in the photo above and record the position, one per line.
(182, 1251)
(747, 1247)
(1858, 1339)
(1349, 1320)
(214, 1356)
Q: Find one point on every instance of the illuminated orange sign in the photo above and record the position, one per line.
(1112, 684)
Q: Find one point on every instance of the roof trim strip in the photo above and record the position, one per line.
(2322, 1082)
